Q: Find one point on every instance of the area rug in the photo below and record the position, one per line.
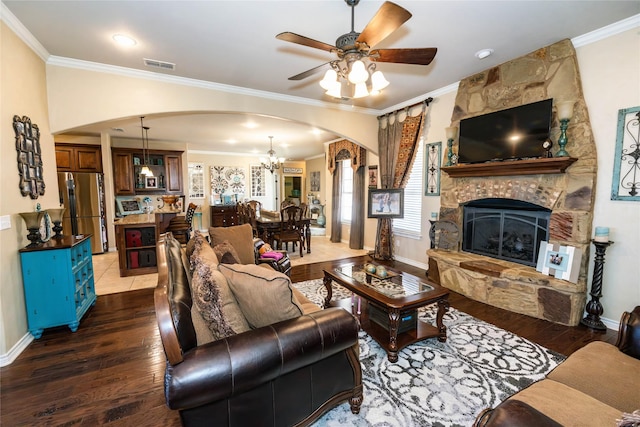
(434, 383)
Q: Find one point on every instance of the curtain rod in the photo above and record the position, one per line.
(426, 101)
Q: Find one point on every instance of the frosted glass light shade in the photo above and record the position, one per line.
(565, 110)
(451, 132)
(378, 82)
(56, 214)
(361, 90)
(358, 73)
(335, 90)
(330, 78)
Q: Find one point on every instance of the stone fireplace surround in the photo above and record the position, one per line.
(567, 190)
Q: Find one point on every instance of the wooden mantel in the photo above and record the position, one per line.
(511, 167)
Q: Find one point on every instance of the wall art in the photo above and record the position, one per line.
(315, 181)
(373, 176)
(626, 166)
(228, 181)
(433, 158)
(257, 181)
(29, 157)
(196, 181)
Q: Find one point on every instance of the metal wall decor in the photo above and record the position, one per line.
(29, 157)
(257, 181)
(626, 167)
(432, 169)
(196, 181)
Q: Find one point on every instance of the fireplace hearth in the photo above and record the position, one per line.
(505, 229)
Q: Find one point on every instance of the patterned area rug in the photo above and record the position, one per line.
(434, 383)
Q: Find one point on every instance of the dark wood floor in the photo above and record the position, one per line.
(111, 370)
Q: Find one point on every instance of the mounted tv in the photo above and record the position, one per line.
(512, 134)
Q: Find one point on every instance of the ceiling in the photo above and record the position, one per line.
(233, 43)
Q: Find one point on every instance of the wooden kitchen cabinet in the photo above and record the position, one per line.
(78, 158)
(136, 248)
(165, 165)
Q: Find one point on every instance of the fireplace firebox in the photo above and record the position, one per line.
(505, 229)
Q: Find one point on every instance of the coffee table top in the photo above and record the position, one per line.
(397, 285)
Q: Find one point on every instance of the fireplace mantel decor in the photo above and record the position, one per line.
(511, 167)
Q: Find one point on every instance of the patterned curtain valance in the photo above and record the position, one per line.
(357, 154)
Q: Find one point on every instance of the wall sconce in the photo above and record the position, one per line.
(32, 221)
(565, 112)
(451, 133)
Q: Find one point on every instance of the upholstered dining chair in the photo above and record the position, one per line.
(255, 205)
(290, 228)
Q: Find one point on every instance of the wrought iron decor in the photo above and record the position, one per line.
(29, 157)
(196, 181)
(626, 167)
(257, 181)
(432, 169)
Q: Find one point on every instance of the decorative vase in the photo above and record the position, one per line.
(32, 221)
(322, 220)
(56, 218)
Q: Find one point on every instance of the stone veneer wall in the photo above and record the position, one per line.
(550, 72)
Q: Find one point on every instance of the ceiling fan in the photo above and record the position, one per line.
(356, 61)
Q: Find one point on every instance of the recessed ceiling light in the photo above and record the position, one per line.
(483, 53)
(231, 141)
(124, 40)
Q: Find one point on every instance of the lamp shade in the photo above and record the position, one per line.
(330, 78)
(358, 73)
(565, 110)
(361, 90)
(451, 132)
(378, 82)
(335, 90)
(32, 219)
(56, 214)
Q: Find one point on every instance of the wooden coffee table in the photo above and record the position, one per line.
(398, 297)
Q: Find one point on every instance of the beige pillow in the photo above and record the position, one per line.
(212, 297)
(203, 252)
(226, 253)
(191, 244)
(240, 236)
(264, 295)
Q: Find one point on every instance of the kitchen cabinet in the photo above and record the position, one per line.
(137, 248)
(165, 165)
(58, 283)
(78, 158)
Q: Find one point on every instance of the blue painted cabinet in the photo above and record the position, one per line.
(58, 283)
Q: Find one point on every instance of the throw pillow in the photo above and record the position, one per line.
(201, 247)
(226, 253)
(212, 296)
(264, 295)
(240, 236)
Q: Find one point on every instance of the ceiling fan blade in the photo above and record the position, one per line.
(311, 72)
(305, 41)
(387, 19)
(419, 56)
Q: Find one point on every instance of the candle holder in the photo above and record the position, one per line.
(594, 307)
(32, 221)
(565, 111)
(56, 218)
(451, 134)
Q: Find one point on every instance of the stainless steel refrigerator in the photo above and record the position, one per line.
(82, 194)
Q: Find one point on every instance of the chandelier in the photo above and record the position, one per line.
(145, 153)
(272, 162)
(355, 70)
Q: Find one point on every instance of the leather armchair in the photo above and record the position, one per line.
(284, 374)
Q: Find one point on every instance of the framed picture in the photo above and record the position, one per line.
(150, 182)
(626, 183)
(562, 262)
(386, 203)
(432, 169)
(373, 176)
(315, 181)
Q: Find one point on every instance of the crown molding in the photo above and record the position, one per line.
(608, 31)
(21, 31)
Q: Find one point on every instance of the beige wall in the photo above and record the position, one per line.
(24, 93)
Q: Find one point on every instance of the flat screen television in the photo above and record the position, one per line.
(511, 134)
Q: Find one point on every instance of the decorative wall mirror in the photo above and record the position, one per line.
(29, 157)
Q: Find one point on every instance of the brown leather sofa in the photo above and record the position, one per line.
(288, 373)
(595, 386)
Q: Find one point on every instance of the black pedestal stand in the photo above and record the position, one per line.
(594, 308)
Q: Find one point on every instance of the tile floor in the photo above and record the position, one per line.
(108, 280)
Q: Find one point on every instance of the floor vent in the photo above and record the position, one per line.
(159, 64)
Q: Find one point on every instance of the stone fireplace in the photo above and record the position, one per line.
(559, 190)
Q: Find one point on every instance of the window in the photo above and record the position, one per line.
(346, 195)
(411, 224)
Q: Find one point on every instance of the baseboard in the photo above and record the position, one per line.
(611, 324)
(16, 350)
(411, 262)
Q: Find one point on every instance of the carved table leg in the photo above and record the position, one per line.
(394, 321)
(326, 281)
(443, 307)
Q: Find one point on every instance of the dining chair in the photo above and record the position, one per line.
(290, 228)
(181, 226)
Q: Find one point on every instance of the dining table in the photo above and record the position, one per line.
(268, 225)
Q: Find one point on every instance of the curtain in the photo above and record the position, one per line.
(398, 136)
(336, 226)
(356, 237)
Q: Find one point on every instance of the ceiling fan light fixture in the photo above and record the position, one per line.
(335, 90)
(330, 79)
(360, 90)
(378, 82)
(358, 73)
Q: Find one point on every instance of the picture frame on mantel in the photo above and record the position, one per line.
(562, 262)
(625, 184)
